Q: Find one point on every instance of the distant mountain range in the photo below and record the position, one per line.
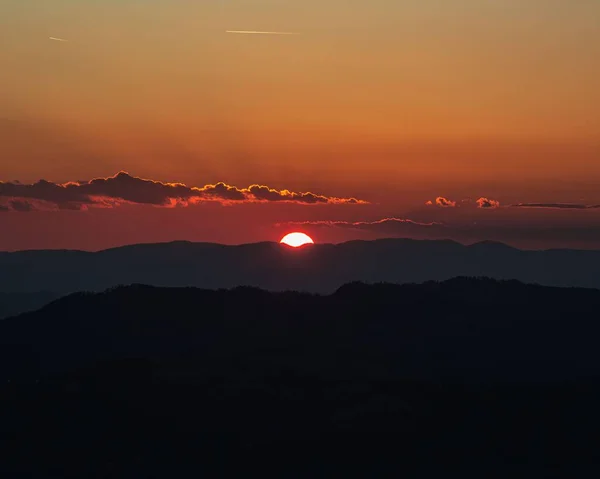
(320, 268)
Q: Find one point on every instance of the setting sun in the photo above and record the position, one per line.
(296, 239)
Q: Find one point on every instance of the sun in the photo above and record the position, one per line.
(296, 239)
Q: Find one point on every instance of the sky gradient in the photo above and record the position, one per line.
(391, 103)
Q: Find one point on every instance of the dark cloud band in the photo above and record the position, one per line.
(557, 206)
(382, 223)
(124, 188)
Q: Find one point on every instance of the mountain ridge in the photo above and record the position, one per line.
(319, 268)
(227, 245)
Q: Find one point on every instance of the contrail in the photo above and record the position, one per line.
(58, 39)
(251, 32)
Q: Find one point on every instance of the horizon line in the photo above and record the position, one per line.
(157, 243)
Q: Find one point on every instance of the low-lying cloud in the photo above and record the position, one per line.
(125, 188)
(391, 226)
(520, 235)
(557, 206)
(361, 224)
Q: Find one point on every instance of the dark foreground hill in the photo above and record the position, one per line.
(468, 378)
(320, 268)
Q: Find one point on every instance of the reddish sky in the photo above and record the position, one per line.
(390, 103)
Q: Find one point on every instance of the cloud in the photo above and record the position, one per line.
(264, 193)
(360, 224)
(559, 206)
(253, 32)
(487, 203)
(444, 202)
(22, 206)
(55, 39)
(482, 202)
(125, 188)
(384, 225)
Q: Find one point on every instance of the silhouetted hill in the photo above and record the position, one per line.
(12, 304)
(472, 377)
(317, 268)
(483, 326)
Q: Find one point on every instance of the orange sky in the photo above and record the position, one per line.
(394, 102)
